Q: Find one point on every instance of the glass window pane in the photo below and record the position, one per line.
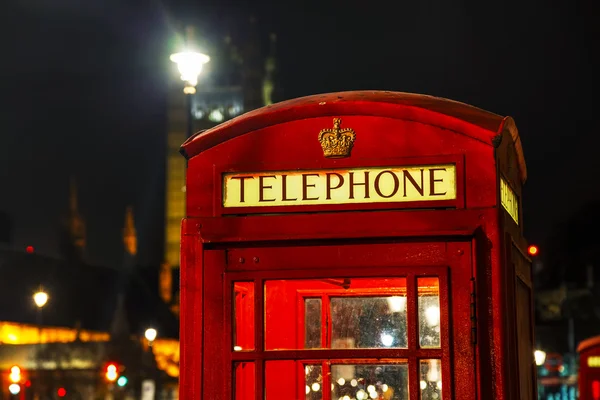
(286, 379)
(370, 381)
(313, 382)
(368, 322)
(376, 318)
(312, 321)
(243, 316)
(243, 375)
(431, 380)
(429, 312)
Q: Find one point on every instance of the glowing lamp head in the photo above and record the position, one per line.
(40, 298)
(111, 372)
(540, 357)
(189, 64)
(14, 388)
(15, 374)
(150, 334)
(533, 250)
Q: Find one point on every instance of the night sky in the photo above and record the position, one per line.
(83, 92)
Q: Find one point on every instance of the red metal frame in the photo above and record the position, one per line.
(401, 268)
(589, 376)
(469, 237)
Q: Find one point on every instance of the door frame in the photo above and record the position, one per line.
(450, 259)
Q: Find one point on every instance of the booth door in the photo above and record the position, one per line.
(382, 332)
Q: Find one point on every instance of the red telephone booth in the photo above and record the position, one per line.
(356, 245)
(589, 369)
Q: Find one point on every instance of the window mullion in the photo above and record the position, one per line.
(326, 309)
(412, 328)
(326, 390)
(259, 345)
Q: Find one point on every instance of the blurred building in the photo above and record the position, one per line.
(94, 315)
(567, 300)
(73, 231)
(241, 76)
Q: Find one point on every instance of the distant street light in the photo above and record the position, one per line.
(540, 357)
(533, 250)
(150, 334)
(14, 388)
(15, 374)
(190, 64)
(40, 298)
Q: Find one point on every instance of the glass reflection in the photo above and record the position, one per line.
(368, 322)
(283, 380)
(243, 375)
(360, 313)
(429, 312)
(313, 382)
(431, 380)
(243, 316)
(369, 381)
(312, 328)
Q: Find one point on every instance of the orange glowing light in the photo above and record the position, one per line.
(533, 250)
(15, 374)
(111, 373)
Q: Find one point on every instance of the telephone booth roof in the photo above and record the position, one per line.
(588, 344)
(474, 122)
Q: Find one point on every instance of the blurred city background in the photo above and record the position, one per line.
(92, 185)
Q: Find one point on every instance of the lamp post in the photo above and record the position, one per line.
(151, 379)
(40, 298)
(150, 335)
(190, 64)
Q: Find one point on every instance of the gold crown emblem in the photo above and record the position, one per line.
(336, 142)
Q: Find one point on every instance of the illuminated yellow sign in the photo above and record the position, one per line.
(594, 361)
(509, 200)
(340, 186)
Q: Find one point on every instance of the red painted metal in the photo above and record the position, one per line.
(463, 242)
(459, 117)
(589, 372)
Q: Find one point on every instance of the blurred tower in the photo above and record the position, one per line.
(177, 119)
(73, 235)
(269, 80)
(252, 70)
(129, 233)
(233, 82)
(119, 328)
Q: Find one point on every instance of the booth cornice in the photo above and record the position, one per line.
(462, 118)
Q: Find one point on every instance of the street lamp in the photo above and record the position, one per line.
(150, 334)
(190, 64)
(40, 298)
(540, 357)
